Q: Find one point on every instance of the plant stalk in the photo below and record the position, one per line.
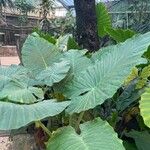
(45, 129)
(79, 120)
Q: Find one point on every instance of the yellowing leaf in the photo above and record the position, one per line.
(132, 75)
(141, 83)
(145, 72)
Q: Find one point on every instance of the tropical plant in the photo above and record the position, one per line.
(67, 84)
(105, 27)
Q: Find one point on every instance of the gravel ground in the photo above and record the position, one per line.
(18, 142)
(5, 143)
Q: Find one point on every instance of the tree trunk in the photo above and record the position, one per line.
(86, 21)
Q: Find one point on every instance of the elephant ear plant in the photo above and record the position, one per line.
(67, 85)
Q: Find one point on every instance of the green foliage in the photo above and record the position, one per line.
(100, 81)
(120, 35)
(105, 27)
(129, 146)
(19, 92)
(19, 115)
(129, 96)
(103, 19)
(143, 77)
(62, 42)
(52, 71)
(72, 44)
(145, 106)
(10, 74)
(147, 54)
(141, 139)
(67, 138)
(131, 76)
(38, 51)
(76, 58)
(46, 36)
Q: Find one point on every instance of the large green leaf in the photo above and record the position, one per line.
(103, 19)
(145, 106)
(100, 81)
(14, 116)
(11, 73)
(54, 73)
(78, 63)
(142, 139)
(38, 54)
(95, 135)
(19, 92)
(120, 35)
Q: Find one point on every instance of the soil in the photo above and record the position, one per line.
(5, 143)
(18, 142)
(7, 51)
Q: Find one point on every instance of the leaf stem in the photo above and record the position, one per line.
(79, 120)
(45, 129)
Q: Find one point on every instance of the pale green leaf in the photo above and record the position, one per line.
(100, 81)
(78, 63)
(54, 73)
(62, 42)
(11, 73)
(95, 135)
(14, 116)
(21, 93)
(38, 54)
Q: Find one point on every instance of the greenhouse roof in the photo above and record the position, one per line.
(70, 3)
